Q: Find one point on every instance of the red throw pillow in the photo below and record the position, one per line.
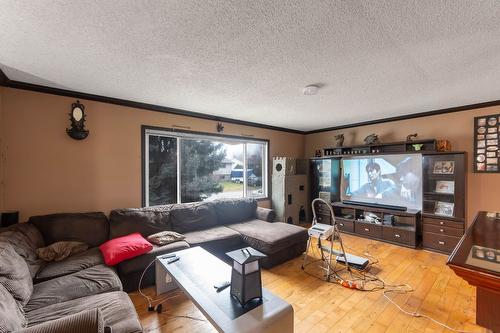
(119, 249)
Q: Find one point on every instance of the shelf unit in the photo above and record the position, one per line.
(443, 213)
(404, 231)
(428, 145)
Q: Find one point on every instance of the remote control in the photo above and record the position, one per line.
(170, 255)
(173, 260)
(222, 285)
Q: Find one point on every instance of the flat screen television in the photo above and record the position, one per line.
(394, 180)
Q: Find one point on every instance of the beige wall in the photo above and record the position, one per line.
(42, 170)
(483, 190)
(45, 171)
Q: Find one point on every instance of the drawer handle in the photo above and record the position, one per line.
(441, 230)
(397, 235)
(441, 243)
(441, 223)
(366, 229)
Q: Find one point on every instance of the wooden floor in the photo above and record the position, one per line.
(327, 307)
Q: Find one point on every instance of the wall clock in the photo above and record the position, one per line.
(77, 118)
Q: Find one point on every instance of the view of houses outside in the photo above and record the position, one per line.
(208, 169)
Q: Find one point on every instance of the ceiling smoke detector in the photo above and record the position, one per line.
(311, 89)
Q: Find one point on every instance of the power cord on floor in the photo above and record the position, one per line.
(173, 317)
(359, 280)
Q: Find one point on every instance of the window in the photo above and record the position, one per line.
(187, 167)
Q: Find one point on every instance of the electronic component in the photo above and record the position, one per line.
(321, 230)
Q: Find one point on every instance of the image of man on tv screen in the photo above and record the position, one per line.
(409, 180)
(377, 186)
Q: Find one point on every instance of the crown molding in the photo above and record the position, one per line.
(139, 105)
(5, 81)
(409, 116)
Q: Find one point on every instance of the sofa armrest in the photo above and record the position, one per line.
(89, 321)
(265, 214)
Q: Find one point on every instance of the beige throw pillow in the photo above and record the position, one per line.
(61, 250)
(165, 237)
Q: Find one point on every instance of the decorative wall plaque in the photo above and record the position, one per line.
(486, 147)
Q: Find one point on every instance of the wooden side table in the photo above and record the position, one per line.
(476, 259)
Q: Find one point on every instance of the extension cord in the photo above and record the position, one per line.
(349, 285)
(415, 314)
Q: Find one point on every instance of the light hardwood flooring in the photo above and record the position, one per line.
(327, 307)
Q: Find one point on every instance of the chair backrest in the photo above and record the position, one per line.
(319, 200)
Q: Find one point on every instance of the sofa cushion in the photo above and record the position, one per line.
(89, 321)
(26, 239)
(216, 237)
(11, 316)
(14, 274)
(91, 257)
(122, 248)
(235, 210)
(165, 237)
(90, 228)
(270, 237)
(116, 308)
(61, 250)
(141, 262)
(265, 214)
(147, 220)
(193, 216)
(91, 281)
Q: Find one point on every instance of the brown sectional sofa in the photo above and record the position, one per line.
(81, 291)
(217, 226)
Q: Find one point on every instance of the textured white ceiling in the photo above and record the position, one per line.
(249, 60)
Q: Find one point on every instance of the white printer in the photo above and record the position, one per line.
(320, 230)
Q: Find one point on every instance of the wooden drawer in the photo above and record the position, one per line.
(442, 230)
(345, 225)
(396, 235)
(368, 229)
(445, 223)
(440, 242)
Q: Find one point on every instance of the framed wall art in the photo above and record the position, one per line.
(486, 144)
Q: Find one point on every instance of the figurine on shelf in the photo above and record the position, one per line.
(417, 146)
(340, 139)
(411, 137)
(443, 145)
(371, 139)
(318, 152)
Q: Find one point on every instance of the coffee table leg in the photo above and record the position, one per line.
(164, 281)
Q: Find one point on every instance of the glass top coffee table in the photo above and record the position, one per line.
(196, 273)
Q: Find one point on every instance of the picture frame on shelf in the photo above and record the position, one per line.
(444, 168)
(445, 187)
(444, 208)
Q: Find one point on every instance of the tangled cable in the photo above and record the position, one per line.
(361, 280)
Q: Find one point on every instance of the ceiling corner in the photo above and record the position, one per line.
(4, 80)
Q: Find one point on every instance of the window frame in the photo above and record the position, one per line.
(177, 133)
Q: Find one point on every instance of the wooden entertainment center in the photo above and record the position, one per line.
(438, 226)
(404, 231)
